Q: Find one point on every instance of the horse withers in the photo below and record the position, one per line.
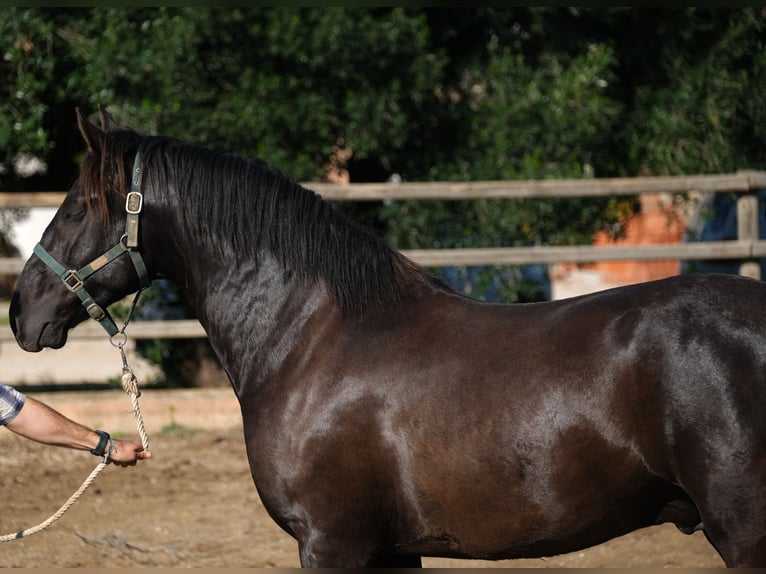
(387, 417)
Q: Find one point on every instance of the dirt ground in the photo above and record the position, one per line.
(194, 504)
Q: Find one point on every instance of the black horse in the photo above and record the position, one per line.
(387, 417)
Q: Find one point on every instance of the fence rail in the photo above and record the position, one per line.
(742, 181)
(747, 248)
(177, 329)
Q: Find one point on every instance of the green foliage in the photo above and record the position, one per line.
(473, 93)
(706, 118)
(571, 112)
(26, 71)
(545, 120)
(175, 430)
(288, 85)
(569, 102)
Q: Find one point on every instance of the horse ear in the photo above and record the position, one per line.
(93, 135)
(107, 121)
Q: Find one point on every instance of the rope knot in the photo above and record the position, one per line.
(130, 383)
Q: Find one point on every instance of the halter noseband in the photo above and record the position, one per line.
(74, 280)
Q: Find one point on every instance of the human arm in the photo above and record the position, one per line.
(41, 423)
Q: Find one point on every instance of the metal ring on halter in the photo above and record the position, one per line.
(121, 343)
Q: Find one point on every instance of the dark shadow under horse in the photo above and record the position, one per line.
(388, 418)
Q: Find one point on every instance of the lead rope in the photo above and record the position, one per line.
(129, 380)
(130, 386)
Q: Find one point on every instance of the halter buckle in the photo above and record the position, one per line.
(95, 312)
(72, 281)
(134, 202)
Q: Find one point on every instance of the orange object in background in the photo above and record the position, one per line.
(657, 222)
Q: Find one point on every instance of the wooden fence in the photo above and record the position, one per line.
(747, 248)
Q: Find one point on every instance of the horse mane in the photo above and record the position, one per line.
(248, 206)
(103, 178)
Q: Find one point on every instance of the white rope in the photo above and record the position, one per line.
(130, 386)
(54, 517)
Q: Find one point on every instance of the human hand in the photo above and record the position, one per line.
(128, 453)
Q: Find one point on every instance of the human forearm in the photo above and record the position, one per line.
(40, 423)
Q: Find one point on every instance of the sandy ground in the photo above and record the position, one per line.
(194, 503)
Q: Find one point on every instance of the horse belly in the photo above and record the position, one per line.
(554, 494)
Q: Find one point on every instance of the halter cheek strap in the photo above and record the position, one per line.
(74, 280)
(134, 203)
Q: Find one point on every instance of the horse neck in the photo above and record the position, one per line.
(254, 306)
(253, 314)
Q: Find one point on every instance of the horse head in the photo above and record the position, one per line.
(89, 255)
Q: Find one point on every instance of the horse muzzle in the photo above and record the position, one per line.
(33, 334)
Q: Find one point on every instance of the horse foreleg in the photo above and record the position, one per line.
(737, 553)
(319, 552)
(734, 518)
(396, 561)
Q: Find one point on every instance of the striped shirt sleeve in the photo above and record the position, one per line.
(11, 402)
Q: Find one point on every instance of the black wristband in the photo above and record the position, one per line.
(103, 441)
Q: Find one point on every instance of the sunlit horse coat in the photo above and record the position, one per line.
(387, 417)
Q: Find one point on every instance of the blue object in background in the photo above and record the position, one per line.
(472, 281)
(722, 226)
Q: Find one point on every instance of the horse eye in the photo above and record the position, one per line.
(74, 215)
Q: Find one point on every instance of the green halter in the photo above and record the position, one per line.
(75, 279)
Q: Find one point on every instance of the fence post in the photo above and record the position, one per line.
(747, 229)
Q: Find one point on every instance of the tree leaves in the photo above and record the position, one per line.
(468, 93)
